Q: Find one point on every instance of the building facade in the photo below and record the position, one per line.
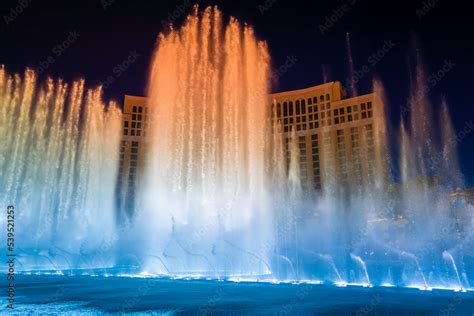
(132, 150)
(335, 137)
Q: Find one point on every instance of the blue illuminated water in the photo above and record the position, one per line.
(110, 295)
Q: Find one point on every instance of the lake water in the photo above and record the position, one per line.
(101, 295)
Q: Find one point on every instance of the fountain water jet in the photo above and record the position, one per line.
(211, 143)
(418, 267)
(330, 261)
(449, 257)
(58, 166)
(362, 265)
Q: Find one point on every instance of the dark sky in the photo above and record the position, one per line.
(110, 30)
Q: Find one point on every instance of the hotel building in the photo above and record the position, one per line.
(132, 148)
(335, 136)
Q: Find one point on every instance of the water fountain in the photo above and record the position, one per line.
(217, 200)
(210, 165)
(58, 163)
(363, 266)
(449, 257)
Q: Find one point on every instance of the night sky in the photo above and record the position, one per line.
(102, 34)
